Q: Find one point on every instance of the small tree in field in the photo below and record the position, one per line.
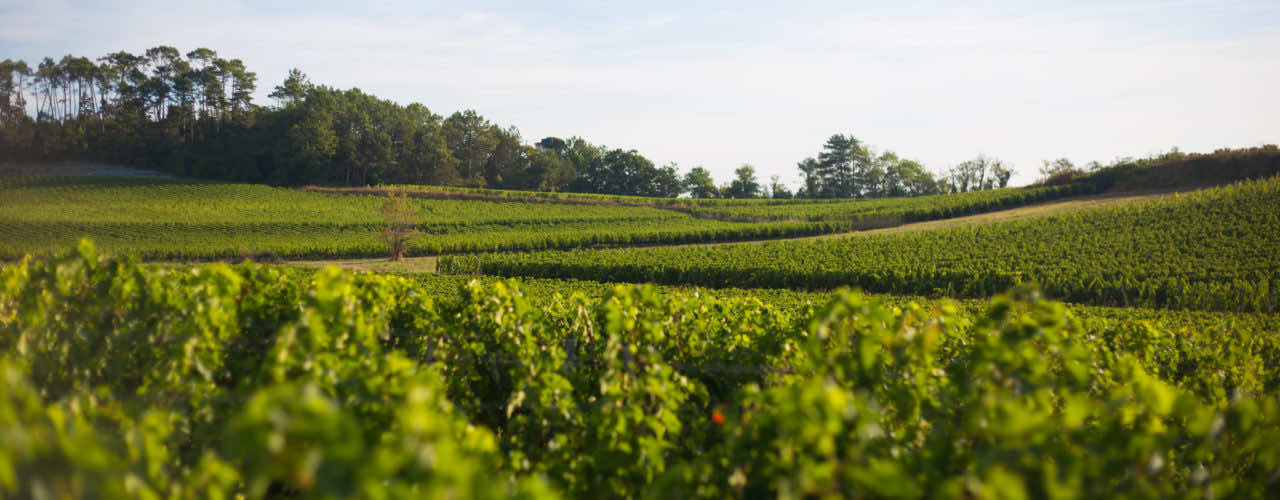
(402, 222)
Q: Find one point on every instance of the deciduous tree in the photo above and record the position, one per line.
(699, 184)
(402, 222)
(744, 184)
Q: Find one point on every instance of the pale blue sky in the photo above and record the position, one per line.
(719, 84)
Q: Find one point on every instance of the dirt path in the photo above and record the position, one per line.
(1038, 210)
(1043, 209)
(382, 265)
(428, 264)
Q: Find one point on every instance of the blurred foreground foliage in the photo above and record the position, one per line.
(131, 381)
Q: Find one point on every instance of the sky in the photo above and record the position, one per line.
(721, 84)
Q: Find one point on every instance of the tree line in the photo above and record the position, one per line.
(193, 115)
(848, 168)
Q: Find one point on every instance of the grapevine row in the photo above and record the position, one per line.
(1215, 249)
(129, 381)
(180, 219)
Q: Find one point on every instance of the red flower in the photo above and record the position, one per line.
(717, 417)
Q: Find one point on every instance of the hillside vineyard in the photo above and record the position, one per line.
(185, 219)
(1088, 338)
(1214, 249)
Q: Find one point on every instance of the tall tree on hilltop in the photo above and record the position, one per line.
(424, 158)
(580, 154)
(208, 95)
(293, 90)
(811, 172)
(980, 173)
(13, 75)
(507, 161)
(744, 184)
(667, 182)
(842, 166)
(472, 139)
(126, 70)
(547, 170)
(846, 168)
(243, 83)
(908, 178)
(699, 184)
(778, 190)
(619, 171)
(47, 77)
(164, 62)
(15, 127)
(1000, 174)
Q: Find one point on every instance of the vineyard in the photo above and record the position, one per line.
(742, 370)
(1215, 249)
(167, 219)
(803, 303)
(896, 210)
(730, 251)
(180, 219)
(760, 209)
(125, 380)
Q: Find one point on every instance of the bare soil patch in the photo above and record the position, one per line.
(381, 265)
